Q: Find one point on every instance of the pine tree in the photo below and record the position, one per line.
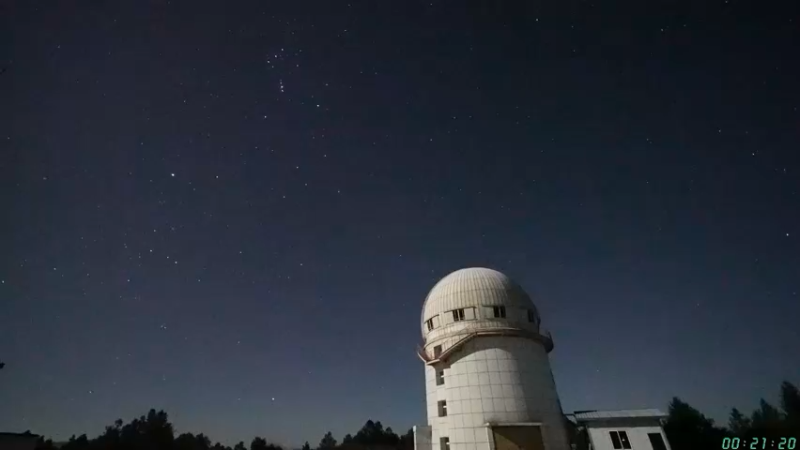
(327, 442)
(739, 424)
(790, 403)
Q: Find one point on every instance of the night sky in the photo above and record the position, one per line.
(234, 210)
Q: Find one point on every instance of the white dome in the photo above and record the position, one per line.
(475, 286)
(472, 287)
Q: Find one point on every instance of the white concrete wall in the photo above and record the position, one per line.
(422, 438)
(637, 435)
(499, 380)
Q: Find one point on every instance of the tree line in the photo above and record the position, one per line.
(686, 428)
(155, 432)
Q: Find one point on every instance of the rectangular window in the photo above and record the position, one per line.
(458, 315)
(439, 377)
(623, 436)
(657, 441)
(619, 439)
(437, 351)
(430, 324)
(444, 443)
(615, 439)
(442, 408)
(531, 316)
(499, 311)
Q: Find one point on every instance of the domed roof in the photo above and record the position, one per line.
(474, 286)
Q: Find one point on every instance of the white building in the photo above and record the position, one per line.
(630, 429)
(488, 380)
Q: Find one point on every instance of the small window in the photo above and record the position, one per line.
(444, 443)
(439, 377)
(531, 316)
(619, 439)
(615, 439)
(499, 311)
(458, 315)
(430, 324)
(437, 351)
(623, 436)
(657, 441)
(442, 408)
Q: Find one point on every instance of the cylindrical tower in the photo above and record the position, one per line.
(488, 380)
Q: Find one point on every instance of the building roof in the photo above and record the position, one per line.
(585, 416)
(474, 286)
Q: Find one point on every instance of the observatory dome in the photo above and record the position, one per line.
(487, 370)
(472, 287)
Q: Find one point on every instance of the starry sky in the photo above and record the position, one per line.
(234, 210)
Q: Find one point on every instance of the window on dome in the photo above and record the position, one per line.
(499, 312)
(458, 315)
(442, 406)
(531, 316)
(437, 351)
(432, 323)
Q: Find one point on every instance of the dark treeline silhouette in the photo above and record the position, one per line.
(686, 428)
(155, 432)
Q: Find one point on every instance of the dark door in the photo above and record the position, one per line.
(657, 441)
(518, 438)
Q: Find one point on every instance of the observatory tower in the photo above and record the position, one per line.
(488, 381)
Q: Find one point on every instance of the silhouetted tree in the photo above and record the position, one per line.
(188, 441)
(111, 437)
(258, 443)
(79, 443)
(790, 403)
(688, 429)
(407, 440)
(45, 444)
(739, 424)
(348, 443)
(327, 442)
(767, 421)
